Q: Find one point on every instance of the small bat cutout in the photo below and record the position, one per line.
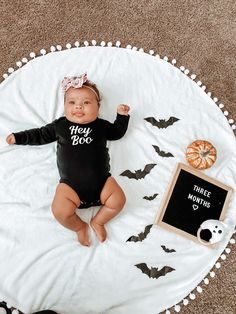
(167, 250)
(138, 174)
(150, 198)
(162, 123)
(153, 272)
(161, 152)
(141, 236)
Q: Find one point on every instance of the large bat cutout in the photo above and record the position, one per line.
(150, 198)
(161, 152)
(167, 250)
(153, 272)
(162, 123)
(141, 236)
(138, 174)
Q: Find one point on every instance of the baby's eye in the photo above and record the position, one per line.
(71, 102)
(86, 102)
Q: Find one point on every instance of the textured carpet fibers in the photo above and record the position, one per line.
(201, 35)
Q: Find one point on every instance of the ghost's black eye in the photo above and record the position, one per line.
(220, 231)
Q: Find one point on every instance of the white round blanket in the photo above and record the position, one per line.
(42, 265)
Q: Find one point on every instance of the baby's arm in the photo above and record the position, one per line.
(37, 136)
(116, 130)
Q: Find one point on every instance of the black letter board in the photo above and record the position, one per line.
(192, 198)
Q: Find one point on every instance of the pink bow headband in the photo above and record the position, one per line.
(76, 82)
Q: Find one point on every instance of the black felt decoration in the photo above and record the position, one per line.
(162, 123)
(150, 198)
(138, 174)
(167, 250)
(161, 152)
(154, 272)
(141, 236)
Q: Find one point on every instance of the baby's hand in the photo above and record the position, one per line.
(11, 139)
(123, 109)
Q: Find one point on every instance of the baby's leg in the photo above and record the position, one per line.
(113, 198)
(64, 205)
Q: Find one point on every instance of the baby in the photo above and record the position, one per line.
(82, 157)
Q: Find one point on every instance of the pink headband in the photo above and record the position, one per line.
(76, 82)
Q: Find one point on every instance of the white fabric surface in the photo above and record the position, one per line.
(42, 266)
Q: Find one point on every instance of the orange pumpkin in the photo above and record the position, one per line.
(201, 154)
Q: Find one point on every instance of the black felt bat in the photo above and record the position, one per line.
(167, 250)
(150, 198)
(162, 123)
(138, 174)
(141, 236)
(154, 272)
(161, 152)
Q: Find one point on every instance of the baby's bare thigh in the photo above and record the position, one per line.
(65, 198)
(112, 194)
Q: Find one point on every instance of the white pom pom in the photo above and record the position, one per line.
(5, 75)
(233, 126)
(157, 56)
(59, 47)
(151, 52)
(52, 49)
(32, 55)
(19, 64)
(167, 312)
(77, 44)
(165, 58)
(109, 44)
(141, 50)
(215, 99)
(103, 43)
(204, 87)
(221, 106)
(199, 83)
(232, 241)
(186, 71)
(94, 43)
(43, 52)
(177, 308)
(10, 70)
(3, 311)
(173, 61)
(118, 43)
(199, 289)
(223, 257)
(227, 250)
(212, 274)
(182, 68)
(226, 113)
(231, 121)
(86, 43)
(206, 281)
(135, 48)
(193, 76)
(24, 60)
(68, 46)
(15, 311)
(218, 265)
(192, 296)
(128, 47)
(209, 94)
(185, 302)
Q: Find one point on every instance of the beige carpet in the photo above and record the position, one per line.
(200, 34)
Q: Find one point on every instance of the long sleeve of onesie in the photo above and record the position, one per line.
(37, 136)
(114, 131)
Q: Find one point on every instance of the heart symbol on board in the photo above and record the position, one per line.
(195, 207)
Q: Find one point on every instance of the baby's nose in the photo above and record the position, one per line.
(78, 105)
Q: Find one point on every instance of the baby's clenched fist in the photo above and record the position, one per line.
(123, 109)
(11, 139)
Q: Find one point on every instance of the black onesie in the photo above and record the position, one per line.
(82, 155)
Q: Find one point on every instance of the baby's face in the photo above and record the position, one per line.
(81, 105)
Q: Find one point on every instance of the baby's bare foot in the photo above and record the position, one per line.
(99, 230)
(83, 235)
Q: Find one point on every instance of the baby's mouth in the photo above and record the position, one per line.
(78, 114)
